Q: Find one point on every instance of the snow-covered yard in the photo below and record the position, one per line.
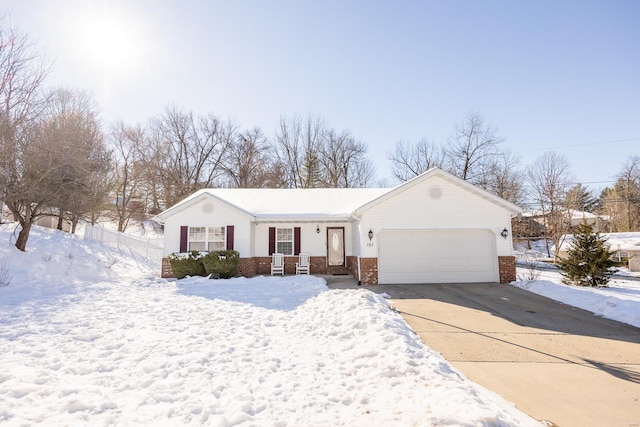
(620, 301)
(91, 337)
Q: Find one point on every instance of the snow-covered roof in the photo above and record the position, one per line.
(578, 215)
(575, 214)
(448, 177)
(268, 203)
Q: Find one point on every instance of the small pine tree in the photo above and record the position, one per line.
(588, 262)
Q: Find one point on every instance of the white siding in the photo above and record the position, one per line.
(419, 207)
(310, 241)
(209, 213)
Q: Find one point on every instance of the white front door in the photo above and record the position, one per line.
(335, 246)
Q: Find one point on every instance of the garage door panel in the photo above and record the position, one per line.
(436, 256)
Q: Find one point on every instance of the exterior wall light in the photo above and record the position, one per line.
(370, 234)
(504, 233)
(318, 229)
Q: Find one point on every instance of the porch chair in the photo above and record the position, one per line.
(277, 264)
(303, 264)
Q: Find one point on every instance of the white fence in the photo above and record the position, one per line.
(148, 248)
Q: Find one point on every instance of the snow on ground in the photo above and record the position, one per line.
(620, 301)
(89, 336)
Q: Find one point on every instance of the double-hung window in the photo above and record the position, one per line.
(284, 241)
(206, 239)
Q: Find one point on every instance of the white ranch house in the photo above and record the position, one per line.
(435, 228)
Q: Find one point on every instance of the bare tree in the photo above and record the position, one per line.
(629, 179)
(344, 162)
(473, 146)
(408, 161)
(22, 72)
(36, 185)
(549, 179)
(129, 172)
(311, 154)
(297, 146)
(503, 178)
(622, 202)
(189, 151)
(73, 128)
(249, 162)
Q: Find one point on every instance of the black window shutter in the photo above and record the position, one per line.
(230, 237)
(272, 240)
(184, 237)
(296, 240)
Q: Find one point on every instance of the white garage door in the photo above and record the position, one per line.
(437, 256)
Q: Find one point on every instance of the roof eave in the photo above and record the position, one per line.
(193, 199)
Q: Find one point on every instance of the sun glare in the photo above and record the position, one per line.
(111, 41)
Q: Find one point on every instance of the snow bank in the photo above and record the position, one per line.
(103, 343)
(620, 301)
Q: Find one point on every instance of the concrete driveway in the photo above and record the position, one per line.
(556, 363)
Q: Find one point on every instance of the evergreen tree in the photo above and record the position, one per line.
(588, 262)
(581, 198)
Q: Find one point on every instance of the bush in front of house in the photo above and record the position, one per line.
(221, 264)
(186, 264)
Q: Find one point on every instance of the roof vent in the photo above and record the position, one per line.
(435, 192)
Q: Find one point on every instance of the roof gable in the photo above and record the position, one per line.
(448, 177)
(193, 199)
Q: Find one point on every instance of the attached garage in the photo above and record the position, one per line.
(436, 228)
(437, 256)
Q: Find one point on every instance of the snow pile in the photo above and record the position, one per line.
(620, 301)
(98, 341)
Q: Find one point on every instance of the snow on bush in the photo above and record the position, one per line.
(115, 346)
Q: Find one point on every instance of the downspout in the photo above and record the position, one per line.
(353, 215)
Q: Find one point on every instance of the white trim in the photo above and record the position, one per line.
(447, 176)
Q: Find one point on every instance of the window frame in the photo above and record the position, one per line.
(208, 240)
(278, 240)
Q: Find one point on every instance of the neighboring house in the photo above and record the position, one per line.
(50, 221)
(623, 246)
(534, 224)
(599, 222)
(419, 232)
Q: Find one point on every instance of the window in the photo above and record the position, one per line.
(206, 239)
(216, 239)
(284, 241)
(197, 238)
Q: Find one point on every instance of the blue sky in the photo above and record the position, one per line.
(550, 75)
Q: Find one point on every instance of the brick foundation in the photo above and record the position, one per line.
(166, 271)
(368, 271)
(249, 267)
(246, 267)
(507, 269)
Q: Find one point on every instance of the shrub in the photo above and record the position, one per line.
(186, 264)
(531, 266)
(5, 272)
(588, 261)
(221, 264)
